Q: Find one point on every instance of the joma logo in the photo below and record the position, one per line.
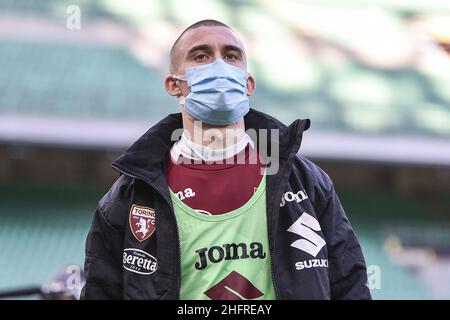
(186, 193)
(291, 196)
(229, 251)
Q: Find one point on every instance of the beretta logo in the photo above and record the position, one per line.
(142, 222)
(139, 261)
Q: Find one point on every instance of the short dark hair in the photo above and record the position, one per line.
(201, 23)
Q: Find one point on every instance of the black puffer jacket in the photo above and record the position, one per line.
(319, 258)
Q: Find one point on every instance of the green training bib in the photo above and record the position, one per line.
(225, 256)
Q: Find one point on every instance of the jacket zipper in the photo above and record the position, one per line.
(131, 175)
(274, 280)
(272, 246)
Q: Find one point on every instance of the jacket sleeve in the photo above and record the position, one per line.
(103, 267)
(347, 267)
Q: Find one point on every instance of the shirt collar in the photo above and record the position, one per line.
(193, 151)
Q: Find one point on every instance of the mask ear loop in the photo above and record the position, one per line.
(181, 77)
(181, 98)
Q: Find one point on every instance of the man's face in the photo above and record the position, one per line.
(203, 45)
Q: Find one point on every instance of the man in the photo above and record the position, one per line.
(211, 216)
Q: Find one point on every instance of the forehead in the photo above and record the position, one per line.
(209, 35)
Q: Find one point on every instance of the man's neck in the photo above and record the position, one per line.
(214, 137)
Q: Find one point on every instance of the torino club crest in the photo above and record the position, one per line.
(142, 222)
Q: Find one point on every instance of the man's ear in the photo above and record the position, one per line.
(172, 85)
(251, 84)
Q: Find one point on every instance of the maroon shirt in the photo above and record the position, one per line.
(216, 188)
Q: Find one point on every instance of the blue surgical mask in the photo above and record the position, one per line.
(218, 93)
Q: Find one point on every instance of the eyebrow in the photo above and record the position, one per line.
(201, 47)
(209, 50)
(231, 47)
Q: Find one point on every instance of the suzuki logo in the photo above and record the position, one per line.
(304, 226)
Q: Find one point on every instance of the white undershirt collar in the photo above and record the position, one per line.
(193, 151)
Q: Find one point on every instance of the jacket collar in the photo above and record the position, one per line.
(146, 158)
